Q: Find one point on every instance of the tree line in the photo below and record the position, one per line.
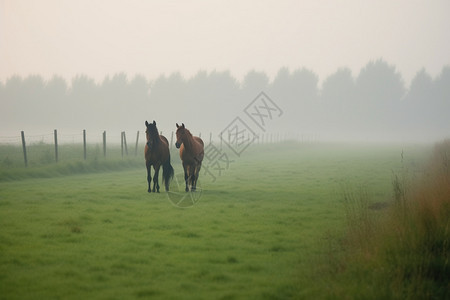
(374, 104)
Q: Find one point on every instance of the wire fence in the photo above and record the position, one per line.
(51, 147)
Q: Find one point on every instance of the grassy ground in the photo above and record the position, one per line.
(41, 160)
(267, 228)
(403, 253)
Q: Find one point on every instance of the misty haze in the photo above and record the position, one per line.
(376, 105)
(224, 149)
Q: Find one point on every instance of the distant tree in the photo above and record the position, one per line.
(170, 89)
(421, 89)
(304, 85)
(158, 88)
(281, 84)
(223, 83)
(56, 87)
(379, 83)
(55, 93)
(253, 83)
(139, 88)
(33, 104)
(33, 86)
(223, 102)
(337, 100)
(379, 89)
(83, 86)
(197, 87)
(115, 90)
(82, 103)
(418, 104)
(2, 90)
(299, 86)
(213, 97)
(442, 94)
(13, 88)
(442, 85)
(166, 99)
(338, 88)
(12, 100)
(297, 93)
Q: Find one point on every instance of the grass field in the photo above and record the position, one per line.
(268, 228)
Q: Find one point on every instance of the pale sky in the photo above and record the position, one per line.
(100, 38)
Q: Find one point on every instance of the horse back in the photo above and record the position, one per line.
(164, 140)
(199, 140)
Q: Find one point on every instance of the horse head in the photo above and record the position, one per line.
(181, 132)
(151, 132)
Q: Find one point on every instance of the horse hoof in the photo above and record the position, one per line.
(187, 189)
(149, 190)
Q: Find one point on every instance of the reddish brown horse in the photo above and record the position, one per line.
(191, 154)
(157, 154)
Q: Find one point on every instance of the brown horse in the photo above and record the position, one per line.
(157, 154)
(191, 154)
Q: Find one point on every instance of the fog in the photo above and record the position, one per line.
(373, 106)
(337, 72)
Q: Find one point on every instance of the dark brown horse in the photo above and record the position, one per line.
(157, 154)
(191, 154)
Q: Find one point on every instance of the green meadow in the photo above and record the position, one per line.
(271, 226)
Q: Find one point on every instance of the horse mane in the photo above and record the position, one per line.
(188, 132)
(154, 135)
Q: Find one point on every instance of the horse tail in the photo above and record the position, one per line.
(167, 173)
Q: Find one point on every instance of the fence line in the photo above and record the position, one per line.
(56, 137)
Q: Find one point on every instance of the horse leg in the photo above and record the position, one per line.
(193, 183)
(186, 177)
(192, 177)
(155, 178)
(195, 177)
(198, 174)
(149, 176)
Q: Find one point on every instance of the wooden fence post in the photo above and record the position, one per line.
(56, 145)
(121, 143)
(104, 143)
(137, 141)
(84, 144)
(171, 140)
(24, 147)
(124, 143)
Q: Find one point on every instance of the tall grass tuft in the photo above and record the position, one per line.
(405, 254)
(360, 220)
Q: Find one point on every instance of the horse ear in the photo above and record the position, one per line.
(182, 125)
(154, 123)
(178, 125)
(146, 123)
